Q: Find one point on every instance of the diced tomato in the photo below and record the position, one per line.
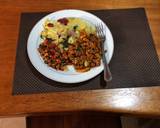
(50, 25)
(53, 57)
(53, 52)
(63, 21)
(58, 61)
(45, 42)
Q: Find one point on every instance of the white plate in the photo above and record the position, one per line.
(70, 76)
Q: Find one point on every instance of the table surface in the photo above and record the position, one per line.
(135, 101)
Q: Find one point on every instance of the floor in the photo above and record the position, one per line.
(75, 121)
(18, 122)
(79, 121)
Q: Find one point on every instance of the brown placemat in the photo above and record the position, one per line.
(134, 64)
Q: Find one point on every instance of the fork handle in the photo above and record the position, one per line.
(107, 73)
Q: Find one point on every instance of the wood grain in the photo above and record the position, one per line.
(136, 101)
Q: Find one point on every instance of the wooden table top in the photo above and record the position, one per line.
(139, 101)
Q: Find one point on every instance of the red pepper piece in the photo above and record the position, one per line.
(63, 21)
(50, 25)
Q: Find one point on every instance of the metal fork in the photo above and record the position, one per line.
(101, 33)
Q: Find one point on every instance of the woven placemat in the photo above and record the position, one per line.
(134, 64)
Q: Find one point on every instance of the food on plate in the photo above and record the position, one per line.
(70, 41)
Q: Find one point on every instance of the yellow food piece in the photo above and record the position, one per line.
(71, 40)
(83, 70)
(86, 63)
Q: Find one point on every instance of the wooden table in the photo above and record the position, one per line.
(136, 101)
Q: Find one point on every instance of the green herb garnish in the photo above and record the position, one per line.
(75, 27)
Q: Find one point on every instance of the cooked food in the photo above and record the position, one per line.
(70, 41)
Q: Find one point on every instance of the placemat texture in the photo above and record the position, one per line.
(134, 64)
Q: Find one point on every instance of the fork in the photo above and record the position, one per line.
(101, 33)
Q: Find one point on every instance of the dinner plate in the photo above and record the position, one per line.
(70, 76)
